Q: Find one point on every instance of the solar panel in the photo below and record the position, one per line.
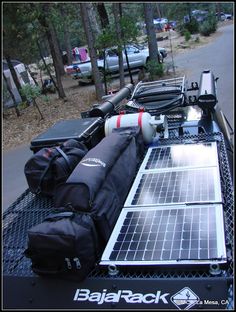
(177, 174)
(172, 235)
(172, 214)
(180, 155)
(175, 187)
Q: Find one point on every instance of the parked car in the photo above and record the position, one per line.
(199, 15)
(224, 16)
(138, 57)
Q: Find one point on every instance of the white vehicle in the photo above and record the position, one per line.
(224, 16)
(138, 57)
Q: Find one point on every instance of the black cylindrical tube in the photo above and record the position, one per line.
(101, 110)
(109, 105)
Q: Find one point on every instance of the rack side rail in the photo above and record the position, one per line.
(103, 290)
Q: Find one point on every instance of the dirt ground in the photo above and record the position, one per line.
(21, 130)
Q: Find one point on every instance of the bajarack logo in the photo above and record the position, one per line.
(92, 162)
(125, 294)
(185, 299)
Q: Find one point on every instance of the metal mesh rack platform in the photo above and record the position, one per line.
(29, 210)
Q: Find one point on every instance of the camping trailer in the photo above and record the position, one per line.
(23, 76)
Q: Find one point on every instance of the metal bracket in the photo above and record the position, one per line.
(112, 270)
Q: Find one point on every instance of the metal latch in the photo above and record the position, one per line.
(160, 123)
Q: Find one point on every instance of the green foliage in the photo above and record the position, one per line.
(31, 92)
(71, 20)
(187, 35)
(45, 98)
(209, 26)
(23, 105)
(155, 69)
(43, 68)
(181, 28)
(129, 29)
(106, 39)
(130, 10)
(19, 34)
(6, 94)
(175, 11)
(192, 26)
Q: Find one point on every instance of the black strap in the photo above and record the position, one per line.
(44, 172)
(60, 215)
(64, 156)
(74, 152)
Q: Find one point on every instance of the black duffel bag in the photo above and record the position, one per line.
(65, 244)
(101, 181)
(50, 166)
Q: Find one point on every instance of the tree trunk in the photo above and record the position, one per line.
(66, 36)
(11, 94)
(93, 19)
(52, 44)
(119, 39)
(129, 70)
(35, 81)
(158, 10)
(36, 105)
(61, 91)
(151, 35)
(68, 45)
(14, 77)
(104, 71)
(126, 56)
(189, 11)
(57, 49)
(103, 14)
(218, 10)
(92, 52)
(46, 67)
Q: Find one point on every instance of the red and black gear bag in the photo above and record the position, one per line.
(50, 166)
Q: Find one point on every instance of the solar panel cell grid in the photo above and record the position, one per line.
(195, 185)
(170, 235)
(182, 155)
(182, 173)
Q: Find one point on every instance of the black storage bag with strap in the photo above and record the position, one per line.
(101, 181)
(65, 244)
(50, 166)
